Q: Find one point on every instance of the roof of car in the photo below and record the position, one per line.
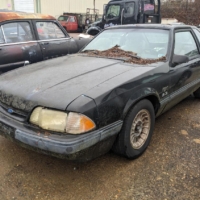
(159, 26)
(5, 16)
(66, 15)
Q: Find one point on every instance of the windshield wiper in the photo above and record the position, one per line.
(89, 50)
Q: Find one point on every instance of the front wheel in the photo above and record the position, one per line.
(137, 130)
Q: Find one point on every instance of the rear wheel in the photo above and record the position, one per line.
(197, 93)
(137, 130)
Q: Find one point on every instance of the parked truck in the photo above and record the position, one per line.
(78, 22)
(121, 12)
(72, 22)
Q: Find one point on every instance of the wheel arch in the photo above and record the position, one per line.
(152, 96)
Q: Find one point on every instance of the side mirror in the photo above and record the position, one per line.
(179, 59)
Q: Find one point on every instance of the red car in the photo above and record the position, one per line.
(70, 23)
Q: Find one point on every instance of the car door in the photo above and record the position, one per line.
(185, 77)
(74, 23)
(53, 40)
(17, 45)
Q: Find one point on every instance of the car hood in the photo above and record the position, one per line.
(56, 83)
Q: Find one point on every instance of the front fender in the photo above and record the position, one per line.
(94, 30)
(82, 42)
(139, 95)
(77, 44)
(85, 105)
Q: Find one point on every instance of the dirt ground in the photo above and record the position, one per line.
(169, 169)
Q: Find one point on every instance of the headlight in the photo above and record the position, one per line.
(73, 123)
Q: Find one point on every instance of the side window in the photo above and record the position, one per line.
(113, 11)
(1, 36)
(49, 30)
(197, 34)
(72, 19)
(185, 44)
(17, 32)
(129, 9)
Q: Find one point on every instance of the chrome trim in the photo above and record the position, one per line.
(33, 41)
(53, 40)
(3, 34)
(16, 43)
(26, 63)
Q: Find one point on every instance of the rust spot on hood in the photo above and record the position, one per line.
(129, 56)
(5, 16)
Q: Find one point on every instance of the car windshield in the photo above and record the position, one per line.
(113, 11)
(63, 18)
(144, 43)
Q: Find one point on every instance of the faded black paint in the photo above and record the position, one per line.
(101, 88)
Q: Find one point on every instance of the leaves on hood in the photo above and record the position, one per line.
(129, 56)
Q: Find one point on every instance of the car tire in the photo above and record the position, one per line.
(197, 93)
(137, 130)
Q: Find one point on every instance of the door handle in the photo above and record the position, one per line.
(45, 43)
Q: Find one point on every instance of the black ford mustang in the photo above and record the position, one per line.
(79, 107)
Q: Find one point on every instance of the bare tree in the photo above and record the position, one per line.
(186, 11)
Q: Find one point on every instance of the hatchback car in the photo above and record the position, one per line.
(29, 38)
(106, 97)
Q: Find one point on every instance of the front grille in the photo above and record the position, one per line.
(15, 102)
(13, 112)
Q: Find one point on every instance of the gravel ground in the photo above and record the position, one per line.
(169, 169)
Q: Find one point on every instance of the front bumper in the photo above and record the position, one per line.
(73, 147)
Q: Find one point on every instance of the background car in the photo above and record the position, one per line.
(71, 23)
(32, 38)
(106, 97)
